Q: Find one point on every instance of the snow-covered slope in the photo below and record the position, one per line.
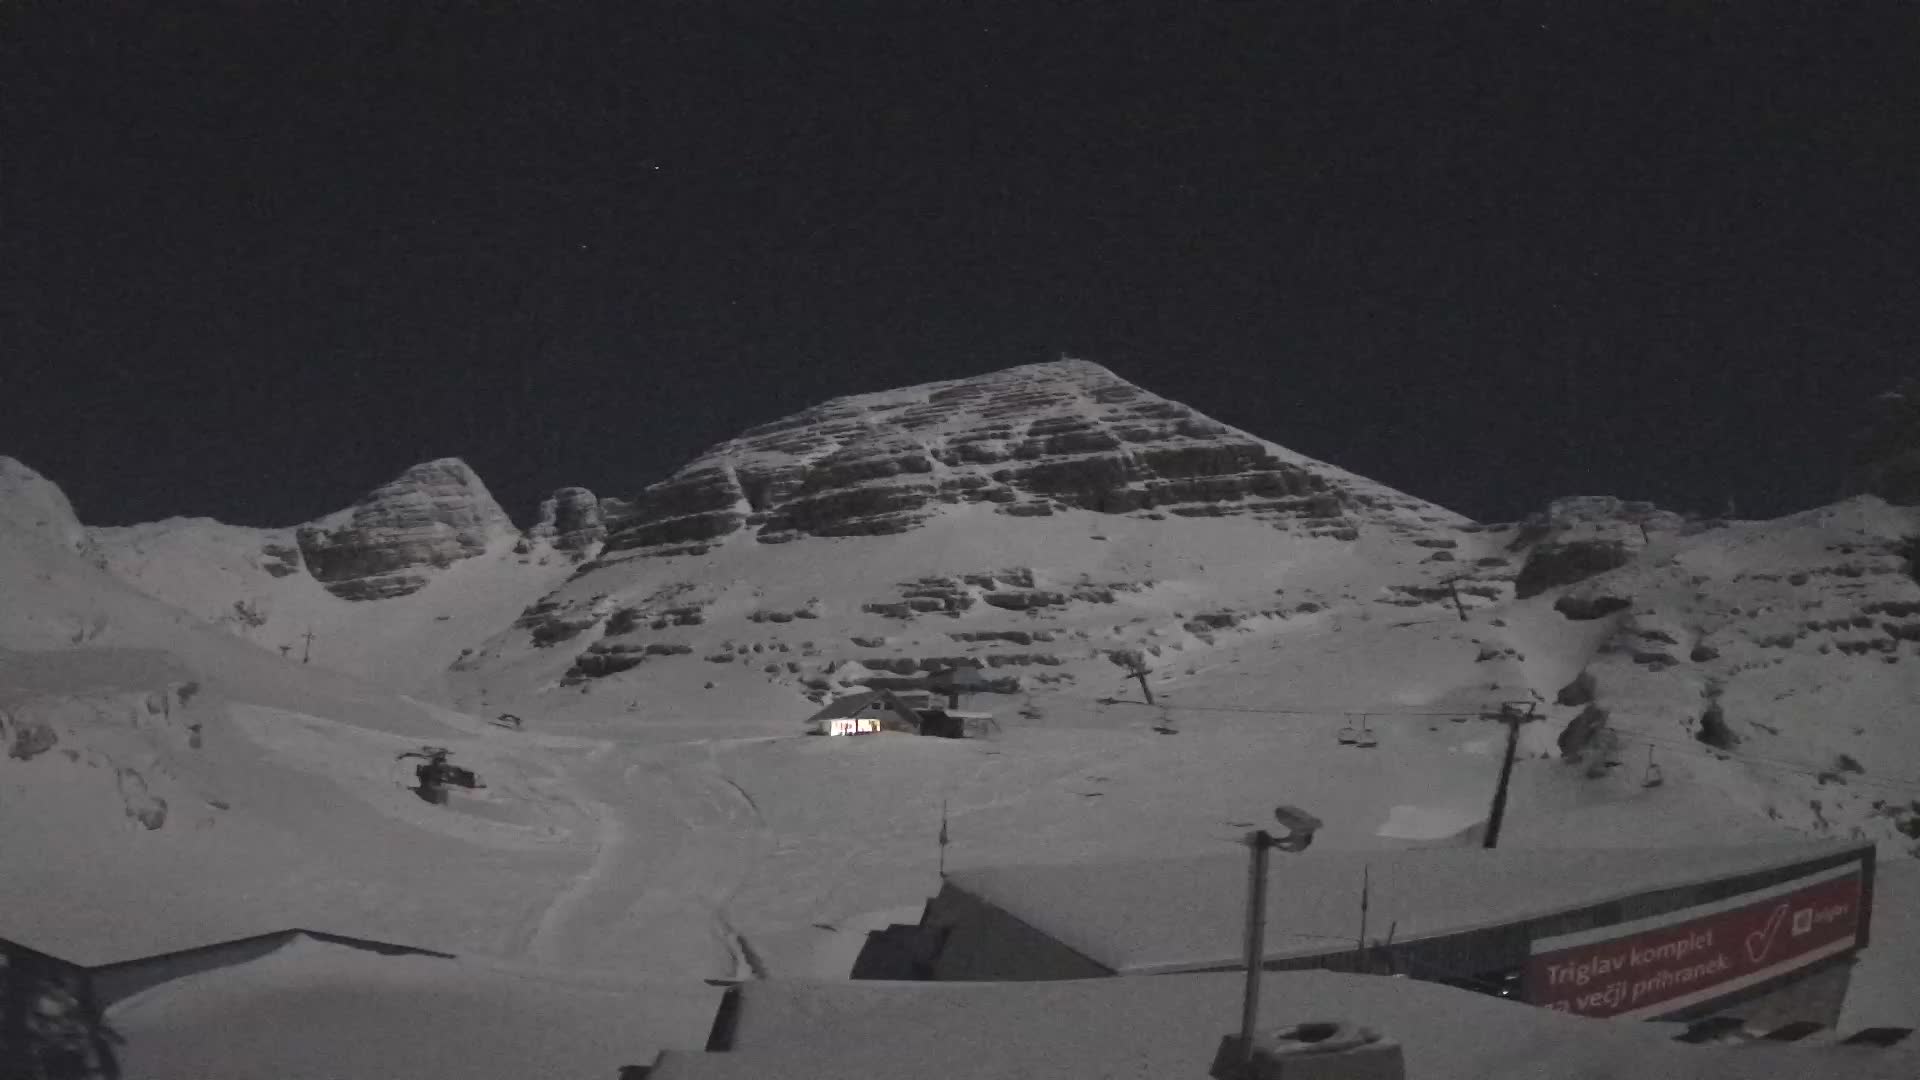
(1045, 605)
(224, 574)
(390, 590)
(167, 784)
(1774, 661)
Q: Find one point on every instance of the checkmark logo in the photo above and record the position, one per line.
(1760, 942)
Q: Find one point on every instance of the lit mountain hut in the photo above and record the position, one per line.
(865, 713)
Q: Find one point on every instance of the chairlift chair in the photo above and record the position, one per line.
(1653, 777)
(1366, 740)
(1348, 736)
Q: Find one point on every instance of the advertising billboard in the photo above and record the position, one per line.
(1654, 966)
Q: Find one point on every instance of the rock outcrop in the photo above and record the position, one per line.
(1027, 441)
(1582, 537)
(428, 517)
(571, 521)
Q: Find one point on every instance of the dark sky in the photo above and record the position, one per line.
(256, 257)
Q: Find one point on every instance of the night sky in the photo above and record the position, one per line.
(257, 257)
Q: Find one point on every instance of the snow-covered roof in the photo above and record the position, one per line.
(1181, 914)
(1170, 1027)
(317, 1011)
(862, 704)
(958, 678)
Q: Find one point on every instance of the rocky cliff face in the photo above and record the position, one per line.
(430, 516)
(1584, 536)
(571, 520)
(1027, 440)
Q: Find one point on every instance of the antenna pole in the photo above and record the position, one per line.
(1259, 842)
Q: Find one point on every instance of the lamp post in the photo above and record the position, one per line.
(1300, 827)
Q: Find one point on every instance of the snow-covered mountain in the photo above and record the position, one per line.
(1040, 522)
(1027, 441)
(1057, 527)
(391, 588)
(1050, 524)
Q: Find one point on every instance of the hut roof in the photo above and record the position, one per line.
(866, 701)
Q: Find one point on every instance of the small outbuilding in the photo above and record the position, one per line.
(955, 681)
(955, 724)
(865, 713)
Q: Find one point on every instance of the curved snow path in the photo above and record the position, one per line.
(542, 943)
(676, 840)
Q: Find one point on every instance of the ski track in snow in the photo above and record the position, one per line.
(677, 837)
(541, 941)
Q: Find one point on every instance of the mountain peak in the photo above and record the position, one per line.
(36, 505)
(445, 470)
(1068, 366)
(1027, 440)
(431, 515)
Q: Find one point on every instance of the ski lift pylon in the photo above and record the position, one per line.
(1653, 777)
(1348, 736)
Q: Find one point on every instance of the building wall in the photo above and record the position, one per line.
(985, 943)
(902, 952)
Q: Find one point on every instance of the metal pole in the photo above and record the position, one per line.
(1145, 690)
(1499, 812)
(1360, 951)
(943, 838)
(1260, 841)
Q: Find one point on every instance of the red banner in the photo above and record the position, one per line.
(1654, 966)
